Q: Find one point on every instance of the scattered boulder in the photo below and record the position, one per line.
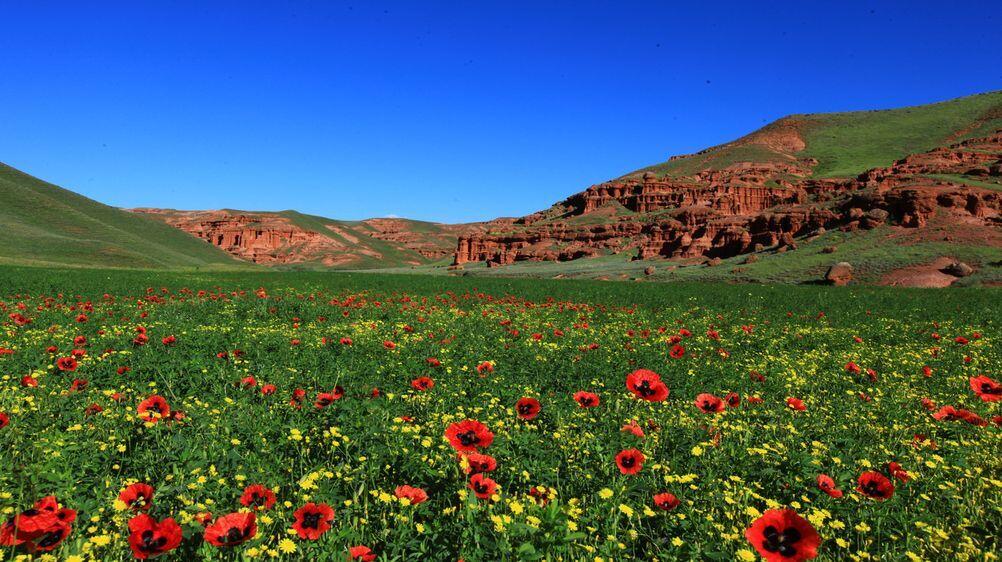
(713, 262)
(649, 270)
(839, 274)
(752, 258)
(829, 249)
(958, 269)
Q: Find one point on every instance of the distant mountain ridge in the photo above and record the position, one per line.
(914, 176)
(794, 178)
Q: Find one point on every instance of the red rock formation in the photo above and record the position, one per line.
(749, 205)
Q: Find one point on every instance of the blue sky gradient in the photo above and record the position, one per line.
(447, 111)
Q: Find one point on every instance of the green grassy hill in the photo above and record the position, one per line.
(846, 144)
(44, 224)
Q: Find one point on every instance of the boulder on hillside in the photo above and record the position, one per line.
(649, 270)
(839, 274)
(958, 269)
(829, 249)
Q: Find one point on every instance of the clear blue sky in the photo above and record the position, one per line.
(451, 111)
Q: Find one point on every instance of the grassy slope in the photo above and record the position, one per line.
(846, 144)
(44, 224)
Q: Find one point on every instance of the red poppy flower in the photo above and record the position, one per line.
(527, 408)
(138, 496)
(313, 520)
(248, 382)
(733, 399)
(875, 485)
(362, 553)
(153, 409)
(231, 530)
(646, 385)
(422, 383)
(480, 463)
(827, 485)
(389, 345)
(709, 403)
(853, 368)
(149, 538)
(169, 340)
(895, 470)
(482, 486)
(67, 364)
(4, 420)
(677, 352)
(39, 529)
(986, 389)
(346, 341)
(415, 495)
(586, 399)
(433, 362)
(29, 381)
(325, 399)
(780, 535)
(469, 436)
(296, 401)
(140, 340)
(666, 501)
(634, 428)
(796, 404)
(630, 461)
(949, 413)
(78, 385)
(257, 497)
(268, 389)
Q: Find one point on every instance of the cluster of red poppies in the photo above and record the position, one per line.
(41, 528)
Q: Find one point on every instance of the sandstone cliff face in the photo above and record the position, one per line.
(275, 239)
(259, 238)
(749, 206)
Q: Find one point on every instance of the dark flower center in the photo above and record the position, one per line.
(468, 438)
(988, 388)
(151, 545)
(781, 542)
(628, 462)
(872, 488)
(480, 488)
(235, 535)
(525, 409)
(312, 520)
(51, 538)
(644, 388)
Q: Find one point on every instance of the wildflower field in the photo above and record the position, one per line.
(334, 417)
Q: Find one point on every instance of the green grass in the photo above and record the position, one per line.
(846, 144)
(85, 443)
(43, 224)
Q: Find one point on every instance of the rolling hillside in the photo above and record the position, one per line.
(293, 240)
(44, 224)
(906, 189)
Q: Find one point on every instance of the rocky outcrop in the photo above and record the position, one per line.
(839, 274)
(259, 238)
(280, 239)
(749, 206)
